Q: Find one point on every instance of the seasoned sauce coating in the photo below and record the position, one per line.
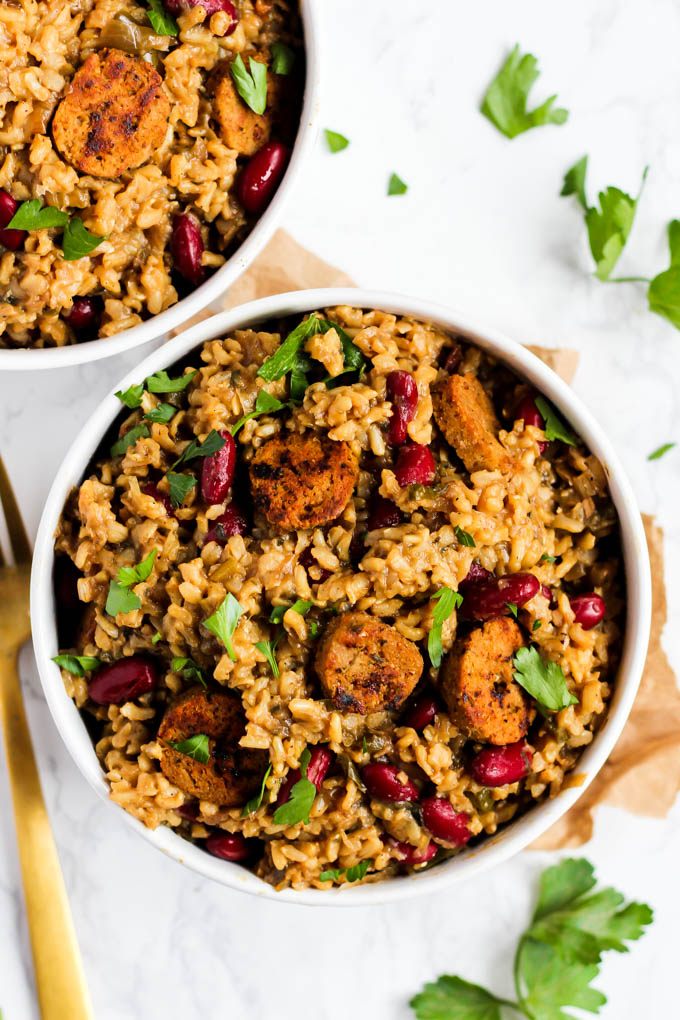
(302, 481)
(114, 115)
(365, 665)
(478, 686)
(232, 774)
(465, 414)
(240, 127)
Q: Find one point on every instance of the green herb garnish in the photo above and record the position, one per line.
(33, 215)
(512, 606)
(129, 439)
(557, 957)
(353, 874)
(278, 612)
(283, 359)
(660, 450)
(160, 382)
(77, 241)
(190, 670)
(536, 625)
(299, 804)
(544, 681)
(265, 404)
(267, 648)
(447, 601)
(283, 58)
(251, 85)
(505, 102)
(464, 537)
(76, 664)
(119, 598)
(545, 558)
(554, 426)
(179, 487)
(396, 186)
(132, 396)
(223, 623)
(195, 450)
(156, 638)
(254, 802)
(161, 22)
(196, 747)
(134, 575)
(162, 413)
(664, 290)
(336, 141)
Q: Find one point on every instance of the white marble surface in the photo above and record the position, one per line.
(482, 228)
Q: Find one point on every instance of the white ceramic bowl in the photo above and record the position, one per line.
(158, 326)
(519, 833)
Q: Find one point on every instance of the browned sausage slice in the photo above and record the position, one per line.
(240, 127)
(478, 686)
(302, 481)
(233, 773)
(114, 115)
(465, 414)
(365, 665)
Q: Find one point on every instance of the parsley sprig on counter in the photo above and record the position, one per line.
(505, 102)
(557, 957)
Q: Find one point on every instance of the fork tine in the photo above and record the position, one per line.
(21, 547)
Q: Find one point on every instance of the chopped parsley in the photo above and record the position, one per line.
(512, 606)
(251, 85)
(129, 439)
(353, 874)
(223, 623)
(302, 606)
(447, 601)
(196, 747)
(265, 404)
(33, 215)
(190, 670)
(179, 486)
(545, 558)
(120, 599)
(554, 426)
(77, 241)
(76, 664)
(543, 680)
(660, 450)
(254, 802)
(156, 638)
(299, 804)
(283, 58)
(396, 186)
(336, 142)
(132, 396)
(267, 648)
(161, 22)
(195, 450)
(134, 575)
(160, 382)
(536, 625)
(505, 102)
(162, 413)
(464, 537)
(664, 289)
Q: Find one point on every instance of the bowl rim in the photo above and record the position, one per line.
(518, 834)
(216, 286)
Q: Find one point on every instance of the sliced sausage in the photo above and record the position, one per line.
(465, 414)
(365, 665)
(240, 127)
(232, 774)
(114, 115)
(302, 481)
(478, 686)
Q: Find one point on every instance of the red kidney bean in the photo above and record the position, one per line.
(496, 766)
(261, 176)
(12, 239)
(229, 846)
(307, 560)
(217, 471)
(484, 600)
(186, 247)
(415, 465)
(476, 573)
(383, 514)
(453, 359)
(189, 811)
(231, 522)
(588, 609)
(421, 714)
(410, 855)
(381, 781)
(152, 490)
(319, 763)
(84, 315)
(402, 390)
(528, 412)
(209, 6)
(444, 822)
(124, 680)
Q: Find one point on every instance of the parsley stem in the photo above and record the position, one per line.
(520, 1005)
(629, 279)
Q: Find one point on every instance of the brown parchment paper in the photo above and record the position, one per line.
(642, 773)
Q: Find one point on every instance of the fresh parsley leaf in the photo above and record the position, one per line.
(664, 290)
(353, 874)
(364, 745)
(133, 575)
(563, 883)
(545, 558)
(132, 396)
(179, 486)
(195, 450)
(163, 413)
(120, 600)
(190, 670)
(299, 804)
(552, 982)
(77, 241)
(554, 426)
(575, 182)
(76, 664)
(161, 22)
(451, 998)
(298, 377)
(254, 802)
(156, 638)
(544, 681)
(196, 747)
(129, 439)
(160, 382)
(301, 606)
(512, 606)
(267, 648)
(251, 85)
(336, 141)
(283, 58)
(660, 450)
(353, 359)
(33, 215)
(265, 404)
(536, 625)
(396, 186)
(223, 623)
(283, 359)
(447, 601)
(505, 102)
(464, 537)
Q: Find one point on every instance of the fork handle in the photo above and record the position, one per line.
(59, 974)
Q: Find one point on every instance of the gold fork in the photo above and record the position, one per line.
(60, 979)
